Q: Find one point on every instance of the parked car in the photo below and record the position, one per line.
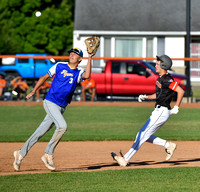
(26, 68)
(129, 78)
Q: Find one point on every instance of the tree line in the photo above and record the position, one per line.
(22, 31)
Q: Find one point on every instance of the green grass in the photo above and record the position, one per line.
(144, 180)
(196, 92)
(17, 123)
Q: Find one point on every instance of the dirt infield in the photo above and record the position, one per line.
(114, 103)
(95, 156)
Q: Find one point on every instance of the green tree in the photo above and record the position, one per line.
(22, 32)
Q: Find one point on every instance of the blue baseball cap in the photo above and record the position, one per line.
(77, 51)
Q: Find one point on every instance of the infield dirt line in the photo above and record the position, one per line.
(95, 156)
(104, 103)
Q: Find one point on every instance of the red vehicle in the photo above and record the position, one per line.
(129, 78)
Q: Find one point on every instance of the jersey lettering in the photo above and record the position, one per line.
(158, 84)
(71, 80)
(65, 73)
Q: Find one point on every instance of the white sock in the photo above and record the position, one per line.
(167, 144)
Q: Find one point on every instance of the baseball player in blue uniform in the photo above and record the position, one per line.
(165, 88)
(67, 76)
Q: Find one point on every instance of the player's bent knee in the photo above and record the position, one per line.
(63, 128)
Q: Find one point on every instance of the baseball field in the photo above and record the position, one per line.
(95, 129)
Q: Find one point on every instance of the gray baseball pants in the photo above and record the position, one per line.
(54, 116)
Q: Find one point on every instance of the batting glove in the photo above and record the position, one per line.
(142, 98)
(174, 110)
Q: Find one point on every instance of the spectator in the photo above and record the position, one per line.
(20, 87)
(42, 88)
(2, 84)
(88, 84)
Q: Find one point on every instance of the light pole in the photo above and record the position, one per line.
(187, 52)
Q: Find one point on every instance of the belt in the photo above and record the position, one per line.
(158, 106)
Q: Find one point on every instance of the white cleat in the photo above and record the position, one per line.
(120, 160)
(170, 150)
(48, 161)
(18, 160)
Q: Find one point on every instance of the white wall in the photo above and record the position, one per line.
(175, 48)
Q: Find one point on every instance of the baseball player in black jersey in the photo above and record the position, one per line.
(165, 89)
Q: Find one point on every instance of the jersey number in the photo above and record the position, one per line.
(71, 80)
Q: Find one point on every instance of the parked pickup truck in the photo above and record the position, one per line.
(27, 68)
(129, 78)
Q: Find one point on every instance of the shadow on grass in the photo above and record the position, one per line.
(180, 162)
(131, 164)
(100, 166)
(143, 163)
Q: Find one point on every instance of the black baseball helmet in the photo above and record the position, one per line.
(166, 61)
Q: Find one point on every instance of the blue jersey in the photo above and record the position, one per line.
(64, 83)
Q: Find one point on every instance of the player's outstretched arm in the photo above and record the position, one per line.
(87, 72)
(38, 84)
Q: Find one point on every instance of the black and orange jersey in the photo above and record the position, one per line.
(165, 90)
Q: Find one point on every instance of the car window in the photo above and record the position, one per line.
(135, 68)
(39, 61)
(8, 61)
(129, 68)
(23, 60)
(116, 67)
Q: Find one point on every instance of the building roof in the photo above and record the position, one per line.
(135, 15)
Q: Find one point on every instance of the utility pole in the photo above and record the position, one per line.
(187, 53)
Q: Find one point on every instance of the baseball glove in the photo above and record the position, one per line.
(92, 44)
